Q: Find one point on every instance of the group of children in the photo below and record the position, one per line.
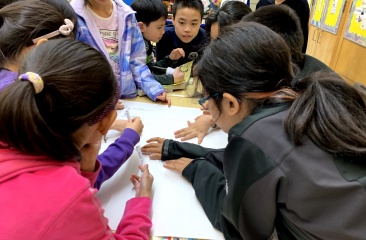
(294, 162)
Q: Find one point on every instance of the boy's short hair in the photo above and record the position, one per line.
(195, 4)
(148, 11)
(285, 22)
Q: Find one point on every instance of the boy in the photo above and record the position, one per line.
(111, 27)
(285, 22)
(151, 16)
(185, 32)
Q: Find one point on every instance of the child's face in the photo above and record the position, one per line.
(187, 23)
(155, 31)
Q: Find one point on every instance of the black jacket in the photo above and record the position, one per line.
(267, 182)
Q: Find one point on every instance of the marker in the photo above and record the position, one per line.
(138, 148)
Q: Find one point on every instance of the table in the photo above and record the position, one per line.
(176, 210)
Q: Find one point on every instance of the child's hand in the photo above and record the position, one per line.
(143, 184)
(178, 75)
(162, 97)
(198, 129)
(154, 148)
(176, 54)
(177, 165)
(136, 125)
(119, 105)
(119, 125)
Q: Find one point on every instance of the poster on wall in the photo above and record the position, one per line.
(356, 26)
(333, 16)
(318, 12)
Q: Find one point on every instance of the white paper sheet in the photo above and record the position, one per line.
(176, 210)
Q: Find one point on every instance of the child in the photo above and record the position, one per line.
(295, 159)
(301, 8)
(230, 13)
(38, 26)
(185, 33)
(151, 16)
(60, 119)
(110, 26)
(284, 21)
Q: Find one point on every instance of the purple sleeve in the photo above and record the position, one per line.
(116, 154)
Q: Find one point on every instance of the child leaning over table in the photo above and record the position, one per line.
(185, 32)
(151, 16)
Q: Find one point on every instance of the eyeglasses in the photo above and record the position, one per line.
(203, 100)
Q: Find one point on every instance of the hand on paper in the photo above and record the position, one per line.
(136, 125)
(163, 97)
(89, 153)
(177, 165)
(199, 128)
(143, 184)
(178, 75)
(119, 125)
(153, 148)
(119, 105)
(176, 54)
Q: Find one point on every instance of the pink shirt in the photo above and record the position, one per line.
(46, 199)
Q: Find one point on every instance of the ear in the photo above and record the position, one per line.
(106, 122)
(42, 40)
(142, 26)
(230, 104)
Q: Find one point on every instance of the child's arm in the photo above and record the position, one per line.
(118, 152)
(141, 73)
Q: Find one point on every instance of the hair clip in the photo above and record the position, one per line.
(65, 30)
(34, 78)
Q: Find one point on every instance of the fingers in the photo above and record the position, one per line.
(156, 139)
(155, 156)
(177, 165)
(200, 138)
(169, 101)
(181, 52)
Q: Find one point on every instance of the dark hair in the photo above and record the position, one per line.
(284, 21)
(194, 4)
(249, 57)
(148, 11)
(331, 113)
(78, 85)
(3, 3)
(64, 7)
(246, 57)
(231, 12)
(23, 21)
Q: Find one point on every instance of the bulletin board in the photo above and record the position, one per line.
(318, 12)
(333, 16)
(356, 26)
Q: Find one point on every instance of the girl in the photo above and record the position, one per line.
(18, 19)
(111, 27)
(61, 114)
(295, 159)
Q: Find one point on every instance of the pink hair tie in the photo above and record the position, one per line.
(34, 78)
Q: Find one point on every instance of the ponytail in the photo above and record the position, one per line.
(331, 113)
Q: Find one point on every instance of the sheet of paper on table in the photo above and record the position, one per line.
(176, 212)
